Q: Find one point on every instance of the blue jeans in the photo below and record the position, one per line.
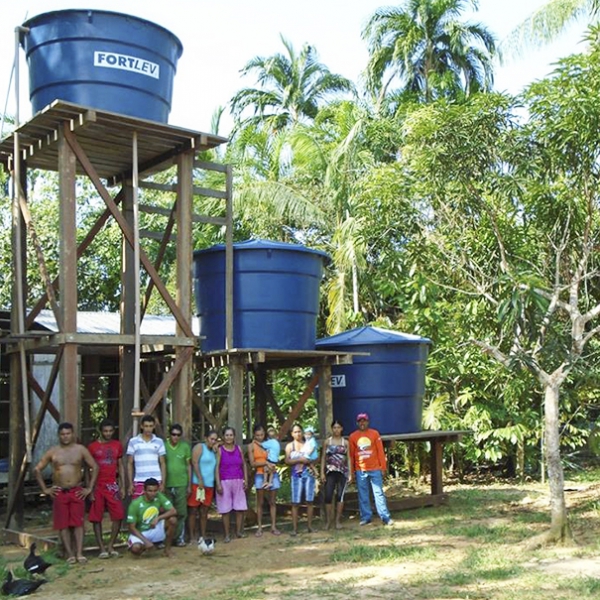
(375, 479)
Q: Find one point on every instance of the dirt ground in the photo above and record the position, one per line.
(274, 567)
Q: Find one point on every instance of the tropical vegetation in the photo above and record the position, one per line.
(449, 210)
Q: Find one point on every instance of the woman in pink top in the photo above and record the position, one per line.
(231, 481)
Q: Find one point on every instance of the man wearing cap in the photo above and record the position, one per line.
(369, 464)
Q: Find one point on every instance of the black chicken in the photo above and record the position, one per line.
(36, 565)
(20, 587)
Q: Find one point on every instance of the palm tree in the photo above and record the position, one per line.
(548, 22)
(291, 88)
(424, 46)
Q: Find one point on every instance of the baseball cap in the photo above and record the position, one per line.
(361, 416)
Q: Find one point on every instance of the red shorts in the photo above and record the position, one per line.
(208, 496)
(138, 489)
(106, 497)
(67, 509)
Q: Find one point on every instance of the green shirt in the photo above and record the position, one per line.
(142, 513)
(178, 459)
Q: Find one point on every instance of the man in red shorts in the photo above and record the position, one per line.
(108, 495)
(67, 491)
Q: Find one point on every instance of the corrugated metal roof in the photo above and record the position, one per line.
(107, 322)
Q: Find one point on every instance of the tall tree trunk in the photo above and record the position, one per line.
(559, 525)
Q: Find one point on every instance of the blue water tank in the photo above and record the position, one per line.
(101, 59)
(275, 295)
(388, 384)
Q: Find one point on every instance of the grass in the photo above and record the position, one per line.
(360, 553)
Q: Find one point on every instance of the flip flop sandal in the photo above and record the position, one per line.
(259, 533)
(275, 532)
(82, 560)
(104, 555)
(71, 560)
(114, 554)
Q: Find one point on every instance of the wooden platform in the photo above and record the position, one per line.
(105, 138)
(276, 359)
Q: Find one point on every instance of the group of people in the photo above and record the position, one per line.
(170, 483)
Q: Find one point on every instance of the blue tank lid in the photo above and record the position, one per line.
(259, 244)
(369, 336)
(63, 13)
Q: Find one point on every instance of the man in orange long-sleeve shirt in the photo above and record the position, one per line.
(369, 465)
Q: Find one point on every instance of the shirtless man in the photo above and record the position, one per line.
(67, 491)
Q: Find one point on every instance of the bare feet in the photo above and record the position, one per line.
(339, 526)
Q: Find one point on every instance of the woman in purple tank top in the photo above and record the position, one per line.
(231, 481)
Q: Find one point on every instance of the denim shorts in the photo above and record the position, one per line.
(303, 482)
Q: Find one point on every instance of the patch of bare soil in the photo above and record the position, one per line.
(271, 567)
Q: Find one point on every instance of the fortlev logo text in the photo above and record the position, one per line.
(112, 60)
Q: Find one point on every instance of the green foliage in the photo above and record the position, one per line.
(427, 48)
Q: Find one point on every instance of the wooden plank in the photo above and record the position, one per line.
(162, 187)
(210, 166)
(210, 193)
(437, 470)
(24, 539)
(157, 210)
(69, 375)
(325, 399)
(182, 397)
(235, 408)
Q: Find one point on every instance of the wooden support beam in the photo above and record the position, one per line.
(437, 485)
(325, 401)
(182, 393)
(297, 409)
(235, 404)
(167, 380)
(41, 394)
(213, 421)
(69, 379)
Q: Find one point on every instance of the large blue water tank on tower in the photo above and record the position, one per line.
(388, 384)
(101, 59)
(275, 295)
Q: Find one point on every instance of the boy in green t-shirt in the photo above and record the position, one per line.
(179, 477)
(151, 519)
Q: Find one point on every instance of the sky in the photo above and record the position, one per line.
(220, 36)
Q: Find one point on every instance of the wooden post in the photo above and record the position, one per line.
(260, 395)
(182, 393)
(235, 400)
(69, 376)
(437, 447)
(16, 439)
(325, 402)
(127, 353)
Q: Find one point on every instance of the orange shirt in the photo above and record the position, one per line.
(259, 455)
(366, 451)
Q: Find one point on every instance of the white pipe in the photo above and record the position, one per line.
(136, 266)
(20, 300)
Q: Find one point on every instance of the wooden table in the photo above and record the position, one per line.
(436, 440)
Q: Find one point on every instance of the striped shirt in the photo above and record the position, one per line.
(145, 457)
